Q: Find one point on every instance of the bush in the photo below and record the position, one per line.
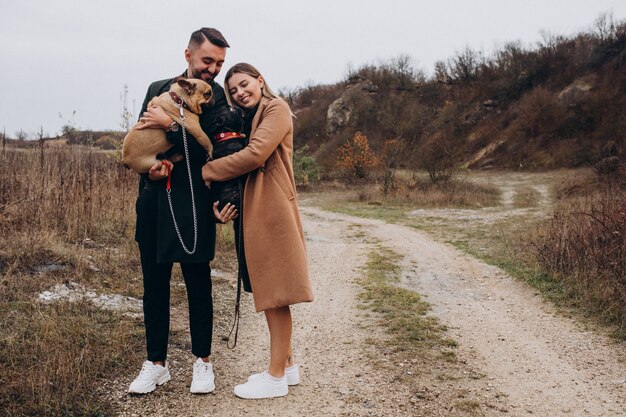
(438, 158)
(356, 157)
(584, 245)
(305, 169)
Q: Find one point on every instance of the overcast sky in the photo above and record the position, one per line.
(61, 56)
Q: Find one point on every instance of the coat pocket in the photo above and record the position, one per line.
(282, 182)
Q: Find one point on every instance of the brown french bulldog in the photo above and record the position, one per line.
(141, 147)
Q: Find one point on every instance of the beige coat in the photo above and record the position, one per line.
(273, 237)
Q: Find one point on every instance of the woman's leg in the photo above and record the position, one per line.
(279, 323)
(291, 360)
(274, 382)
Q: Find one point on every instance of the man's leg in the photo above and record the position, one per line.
(156, 301)
(199, 294)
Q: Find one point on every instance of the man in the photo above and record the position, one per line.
(179, 228)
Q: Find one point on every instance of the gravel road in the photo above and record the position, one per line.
(531, 361)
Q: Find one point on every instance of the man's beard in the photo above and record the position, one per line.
(199, 75)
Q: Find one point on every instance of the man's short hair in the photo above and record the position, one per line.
(207, 34)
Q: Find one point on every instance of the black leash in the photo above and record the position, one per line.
(240, 256)
(235, 327)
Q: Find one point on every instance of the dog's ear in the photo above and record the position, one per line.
(189, 87)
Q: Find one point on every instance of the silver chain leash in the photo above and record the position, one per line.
(193, 201)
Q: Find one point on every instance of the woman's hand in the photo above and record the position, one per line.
(205, 175)
(160, 170)
(228, 213)
(155, 118)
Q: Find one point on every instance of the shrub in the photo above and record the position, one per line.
(392, 151)
(305, 169)
(438, 157)
(584, 245)
(356, 156)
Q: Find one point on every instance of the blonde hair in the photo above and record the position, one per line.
(245, 68)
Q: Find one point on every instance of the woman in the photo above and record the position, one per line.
(273, 240)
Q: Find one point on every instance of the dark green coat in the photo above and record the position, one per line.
(154, 219)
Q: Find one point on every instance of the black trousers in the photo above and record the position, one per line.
(156, 303)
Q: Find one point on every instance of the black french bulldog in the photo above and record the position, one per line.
(227, 139)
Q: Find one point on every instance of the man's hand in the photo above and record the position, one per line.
(159, 170)
(155, 118)
(228, 213)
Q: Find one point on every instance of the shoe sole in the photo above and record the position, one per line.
(210, 390)
(160, 382)
(261, 397)
(291, 381)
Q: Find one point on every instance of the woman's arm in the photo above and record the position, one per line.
(275, 124)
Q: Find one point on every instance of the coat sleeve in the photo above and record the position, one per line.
(274, 126)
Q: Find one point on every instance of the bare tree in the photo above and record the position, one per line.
(400, 117)
(549, 43)
(437, 157)
(605, 27)
(442, 75)
(465, 65)
(392, 150)
(401, 69)
(126, 117)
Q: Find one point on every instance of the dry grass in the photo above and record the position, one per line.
(414, 192)
(72, 207)
(418, 356)
(76, 192)
(526, 197)
(584, 246)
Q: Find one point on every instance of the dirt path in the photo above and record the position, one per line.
(546, 364)
(533, 361)
(330, 341)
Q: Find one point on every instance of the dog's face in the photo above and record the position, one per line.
(195, 93)
(228, 119)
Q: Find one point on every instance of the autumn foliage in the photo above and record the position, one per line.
(356, 157)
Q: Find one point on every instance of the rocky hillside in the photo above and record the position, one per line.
(560, 104)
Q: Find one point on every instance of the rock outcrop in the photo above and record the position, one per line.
(340, 110)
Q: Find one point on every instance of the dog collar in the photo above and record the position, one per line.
(179, 100)
(228, 135)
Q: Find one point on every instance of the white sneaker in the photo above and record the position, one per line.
(263, 386)
(292, 373)
(203, 380)
(150, 376)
